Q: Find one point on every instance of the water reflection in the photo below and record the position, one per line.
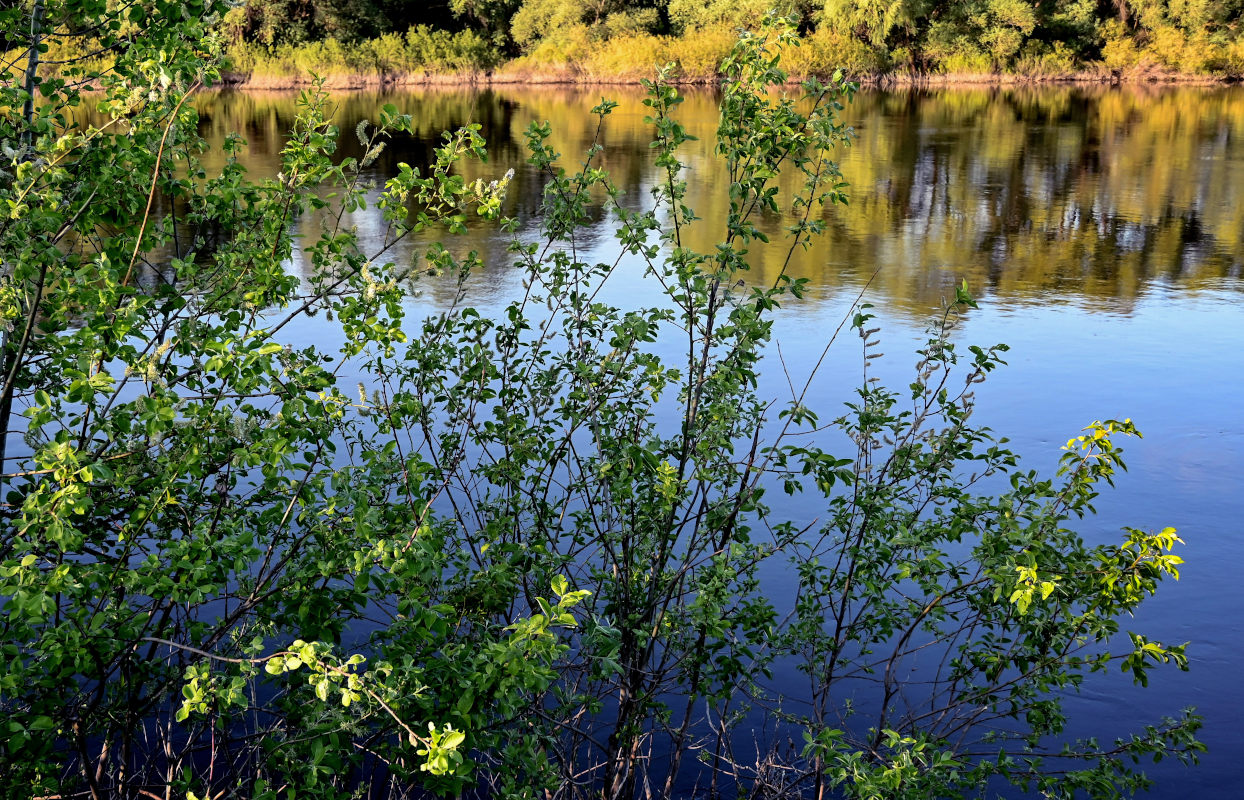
(1084, 195)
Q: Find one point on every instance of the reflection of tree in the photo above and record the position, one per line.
(1071, 194)
(1048, 193)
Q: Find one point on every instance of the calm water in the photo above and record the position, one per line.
(1102, 230)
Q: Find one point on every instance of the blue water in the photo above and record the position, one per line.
(1102, 231)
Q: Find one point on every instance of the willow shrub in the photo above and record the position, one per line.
(392, 55)
(551, 529)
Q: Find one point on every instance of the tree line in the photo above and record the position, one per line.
(1025, 36)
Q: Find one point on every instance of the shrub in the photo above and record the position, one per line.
(1233, 54)
(537, 20)
(826, 50)
(1119, 51)
(553, 521)
(698, 56)
(1038, 59)
(689, 16)
(632, 56)
(421, 48)
(439, 49)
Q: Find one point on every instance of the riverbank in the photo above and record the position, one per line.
(423, 57)
(571, 75)
(427, 57)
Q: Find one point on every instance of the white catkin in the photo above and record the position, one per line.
(373, 154)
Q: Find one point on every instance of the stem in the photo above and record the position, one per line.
(32, 70)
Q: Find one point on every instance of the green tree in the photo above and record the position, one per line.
(538, 19)
(870, 20)
(492, 16)
(276, 22)
(187, 527)
(981, 35)
(691, 15)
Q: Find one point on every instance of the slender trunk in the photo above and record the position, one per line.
(8, 348)
(620, 767)
(11, 354)
(32, 69)
(6, 404)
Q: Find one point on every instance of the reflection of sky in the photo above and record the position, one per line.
(1174, 364)
(1112, 267)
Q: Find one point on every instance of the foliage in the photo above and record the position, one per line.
(871, 21)
(492, 16)
(629, 57)
(420, 49)
(537, 19)
(1016, 36)
(1143, 37)
(551, 524)
(178, 512)
(690, 16)
(294, 22)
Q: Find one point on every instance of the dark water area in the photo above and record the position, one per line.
(1101, 229)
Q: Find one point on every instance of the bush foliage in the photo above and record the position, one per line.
(870, 37)
(551, 524)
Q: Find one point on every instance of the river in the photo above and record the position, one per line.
(1102, 231)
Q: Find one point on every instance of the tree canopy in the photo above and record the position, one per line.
(1201, 36)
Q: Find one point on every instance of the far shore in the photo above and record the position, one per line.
(572, 75)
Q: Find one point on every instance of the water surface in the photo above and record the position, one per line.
(1102, 229)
